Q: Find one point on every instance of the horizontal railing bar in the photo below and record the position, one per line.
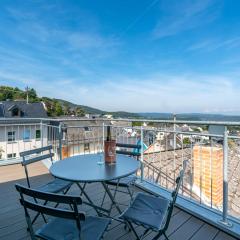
(48, 125)
(172, 131)
(225, 123)
(228, 123)
(158, 130)
(137, 128)
(96, 126)
(20, 124)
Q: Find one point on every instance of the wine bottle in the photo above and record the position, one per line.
(108, 133)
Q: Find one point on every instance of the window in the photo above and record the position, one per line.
(11, 155)
(26, 134)
(87, 129)
(38, 134)
(11, 136)
(15, 112)
(86, 146)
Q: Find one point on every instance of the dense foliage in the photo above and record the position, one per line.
(54, 107)
(9, 93)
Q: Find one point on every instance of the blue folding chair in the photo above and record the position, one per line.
(39, 154)
(152, 212)
(123, 185)
(67, 223)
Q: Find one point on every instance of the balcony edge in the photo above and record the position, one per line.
(204, 213)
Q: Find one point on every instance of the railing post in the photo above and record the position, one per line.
(41, 127)
(103, 137)
(224, 219)
(60, 136)
(174, 129)
(174, 146)
(142, 165)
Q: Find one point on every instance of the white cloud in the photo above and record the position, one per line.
(190, 92)
(213, 44)
(184, 15)
(159, 93)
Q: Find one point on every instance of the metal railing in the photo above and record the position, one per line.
(165, 144)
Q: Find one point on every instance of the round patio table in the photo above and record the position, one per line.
(89, 168)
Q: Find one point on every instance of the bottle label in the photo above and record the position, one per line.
(110, 151)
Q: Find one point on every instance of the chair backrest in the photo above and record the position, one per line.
(35, 155)
(179, 181)
(73, 201)
(136, 149)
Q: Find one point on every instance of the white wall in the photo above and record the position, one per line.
(20, 144)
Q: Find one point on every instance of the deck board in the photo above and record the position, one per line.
(206, 232)
(13, 225)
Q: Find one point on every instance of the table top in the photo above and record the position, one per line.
(86, 168)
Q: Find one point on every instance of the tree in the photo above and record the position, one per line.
(32, 95)
(136, 124)
(186, 140)
(66, 109)
(58, 109)
(79, 112)
(6, 93)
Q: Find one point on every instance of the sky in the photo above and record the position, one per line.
(138, 56)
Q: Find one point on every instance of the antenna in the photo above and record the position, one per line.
(26, 89)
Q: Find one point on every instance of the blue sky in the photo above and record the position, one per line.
(139, 56)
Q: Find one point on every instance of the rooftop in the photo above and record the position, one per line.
(28, 110)
(13, 225)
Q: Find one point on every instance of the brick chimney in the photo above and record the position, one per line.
(208, 164)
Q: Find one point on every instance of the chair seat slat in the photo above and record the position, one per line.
(52, 197)
(128, 153)
(56, 212)
(36, 159)
(125, 145)
(35, 151)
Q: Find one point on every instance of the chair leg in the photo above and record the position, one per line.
(65, 192)
(144, 233)
(84, 185)
(35, 218)
(114, 197)
(30, 228)
(103, 198)
(133, 230)
(130, 193)
(165, 236)
(159, 235)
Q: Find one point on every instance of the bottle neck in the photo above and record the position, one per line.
(108, 133)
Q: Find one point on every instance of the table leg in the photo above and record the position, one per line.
(111, 198)
(88, 198)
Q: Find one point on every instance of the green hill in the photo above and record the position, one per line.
(56, 107)
(85, 108)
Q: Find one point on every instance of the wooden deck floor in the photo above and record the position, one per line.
(183, 226)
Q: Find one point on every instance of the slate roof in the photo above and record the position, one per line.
(30, 110)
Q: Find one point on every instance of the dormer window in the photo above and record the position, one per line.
(16, 111)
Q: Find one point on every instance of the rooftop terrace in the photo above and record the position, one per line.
(13, 225)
